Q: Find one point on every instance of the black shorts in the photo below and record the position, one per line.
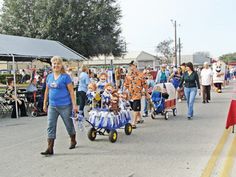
(135, 105)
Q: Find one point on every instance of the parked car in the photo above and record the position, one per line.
(5, 71)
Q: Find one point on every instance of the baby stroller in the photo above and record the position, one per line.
(163, 100)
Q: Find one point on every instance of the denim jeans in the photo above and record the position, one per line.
(190, 94)
(145, 106)
(82, 101)
(53, 114)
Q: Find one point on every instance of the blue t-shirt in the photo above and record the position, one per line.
(58, 93)
(83, 82)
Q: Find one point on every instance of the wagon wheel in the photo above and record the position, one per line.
(128, 129)
(166, 115)
(113, 136)
(174, 112)
(34, 114)
(92, 133)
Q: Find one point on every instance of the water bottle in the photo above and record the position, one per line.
(81, 121)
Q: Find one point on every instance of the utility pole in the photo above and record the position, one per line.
(175, 53)
(175, 43)
(179, 52)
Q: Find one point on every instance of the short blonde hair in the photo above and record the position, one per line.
(84, 68)
(60, 60)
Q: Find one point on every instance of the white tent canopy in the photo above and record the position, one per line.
(27, 49)
(16, 48)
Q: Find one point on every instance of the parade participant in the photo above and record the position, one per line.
(162, 75)
(12, 99)
(175, 79)
(183, 67)
(206, 80)
(59, 95)
(114, 105)
(150, 84)
(218, 75)
(118, 77)
(83, 88)
(191, 83)
(93, 96)
(102, 82)
(106, 96)
(124, 101)
(135, 83)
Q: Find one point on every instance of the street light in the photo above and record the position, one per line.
(175, 26)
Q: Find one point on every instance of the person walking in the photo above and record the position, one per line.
(150, 85)
(83, 88)
(175, 79)
(206, 81)
(135, 83)
(191, 83)
(59, 99)
(162, 75)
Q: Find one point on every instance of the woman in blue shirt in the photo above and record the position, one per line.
(59, 95)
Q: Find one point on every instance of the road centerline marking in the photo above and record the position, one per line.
(215, 155)
(229, 161)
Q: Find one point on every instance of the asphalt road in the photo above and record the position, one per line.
(157, 148)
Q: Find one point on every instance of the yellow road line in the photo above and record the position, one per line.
(229, 161)
(215, 155)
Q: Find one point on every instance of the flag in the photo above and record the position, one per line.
(231, 119)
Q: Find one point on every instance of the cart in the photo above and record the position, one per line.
(164, 100)
(105, 122)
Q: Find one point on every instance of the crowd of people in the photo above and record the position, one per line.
(103, 88)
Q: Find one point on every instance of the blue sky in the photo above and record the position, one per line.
(205, 25)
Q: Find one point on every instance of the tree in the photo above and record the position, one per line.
(165, 49)
(231, 57)
(90, 27)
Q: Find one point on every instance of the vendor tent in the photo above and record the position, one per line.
(26, 49)
(17, 48)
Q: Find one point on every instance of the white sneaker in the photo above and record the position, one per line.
(179, 100)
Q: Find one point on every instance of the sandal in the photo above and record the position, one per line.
(140, 121)
(134, 127)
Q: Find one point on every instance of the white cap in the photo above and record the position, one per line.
(163, 65)
(205, 63)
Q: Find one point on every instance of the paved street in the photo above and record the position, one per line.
(158, 148)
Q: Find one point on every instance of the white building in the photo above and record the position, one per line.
(143, 59)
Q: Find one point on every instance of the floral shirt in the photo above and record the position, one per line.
(135, 83)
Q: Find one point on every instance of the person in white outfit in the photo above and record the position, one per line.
(206, 81)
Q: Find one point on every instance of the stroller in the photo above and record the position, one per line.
(163, 100)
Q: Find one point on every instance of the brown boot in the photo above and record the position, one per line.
(49, 150)
(72, 141)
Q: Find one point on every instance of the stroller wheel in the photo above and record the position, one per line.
(34, 114)
(166, 115)
(128, 129)
(113, 136)
(174, 112)
(92, 133)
